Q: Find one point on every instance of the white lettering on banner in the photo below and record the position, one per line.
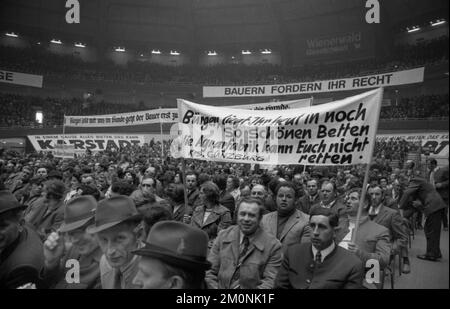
(361, 82)
(83, 142)
(21, 79)
(336, 133)
(166, 115)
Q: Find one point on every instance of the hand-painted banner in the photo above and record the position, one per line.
(355, 83)
(166, 115)
(21, 79)
(436, 142)
(83, 142)
(337, 133)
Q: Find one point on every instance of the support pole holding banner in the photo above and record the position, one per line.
(64, 134)
(366, 176)
(161, 134)
(183, 174)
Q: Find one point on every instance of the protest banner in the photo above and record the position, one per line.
(437, 142)
(21, 79)
(337, 133)
(83, 142)
(363, 82)
(165, 115)
(64, 151)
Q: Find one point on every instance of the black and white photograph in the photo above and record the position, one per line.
(230, 149)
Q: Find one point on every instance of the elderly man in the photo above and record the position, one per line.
(287, 224)
(119, 231)
(312, 198)
(21, 257)
(259, 191)
(320, 264)
(244, 255)
(174, 257)
(78, 215)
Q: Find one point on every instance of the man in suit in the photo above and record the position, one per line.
(380, 213)
(320, 264)
(439, 179)
(192, 189)
(225, 198)
(180, 211)
(78, 215)
(288, 224)
(118, 230)
(21, 257)
(244, 255)
(50, 214)
(312, 198)
(428, 200)
(173, 257)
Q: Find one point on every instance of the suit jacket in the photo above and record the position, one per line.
(305, 204)
(22, 261)
(227, 200)
(89, 271)
(295, 231)
(181, 211)
(219, 219)
(373, 241)
(46, 220)
(108, 273)
(257, 269)
(193, 198)
(339, 270)
(441, 177)
(422, 190)
(393, 221)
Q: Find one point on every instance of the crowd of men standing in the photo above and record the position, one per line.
(129, 223)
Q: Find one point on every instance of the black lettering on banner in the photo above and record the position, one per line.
(90, 144)
(44, 145)
(8, 76)
(187, 116)
(77, 144)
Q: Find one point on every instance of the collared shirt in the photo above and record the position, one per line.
(325, 252)
(206, 214)
(348, 237)
(327, 206)
(313, 197)
(374, 210)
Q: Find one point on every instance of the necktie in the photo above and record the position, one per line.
(118, 279)
(246, 243)
(318, 258)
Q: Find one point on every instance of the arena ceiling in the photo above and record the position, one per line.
(204, 24)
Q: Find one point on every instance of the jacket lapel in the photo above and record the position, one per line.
(233, 239)
(289, 224)
(272, 223)
(212, 217)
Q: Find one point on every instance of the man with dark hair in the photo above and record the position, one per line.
(121, 187)
(21, 257)
(90, 190)
(312, 198)
(21, 185)
(180, 211)
(244, 255)
(174, 257)
(320, 264)
(153, 215)
(287, 223)
(225, 198)
(192, 189)
(119, 231)
(49, 216)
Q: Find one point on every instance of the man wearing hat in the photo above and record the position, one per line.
(21, 257)
(78, 215)
(119, 231)
(174, 257)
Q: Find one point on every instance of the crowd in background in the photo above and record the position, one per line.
(36, 60)
(19, 110)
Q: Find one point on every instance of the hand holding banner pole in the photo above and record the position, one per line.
(366, 175)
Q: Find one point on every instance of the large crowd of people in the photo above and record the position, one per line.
(37, 60)
(19, 110)
(133, 219)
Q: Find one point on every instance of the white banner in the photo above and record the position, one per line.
(162, 115)
(165, 115)
(338, 133)
(82, 142)
(21, 79)
(437, 142)
(355, 83)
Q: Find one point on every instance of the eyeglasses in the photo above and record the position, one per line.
(146, 185)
